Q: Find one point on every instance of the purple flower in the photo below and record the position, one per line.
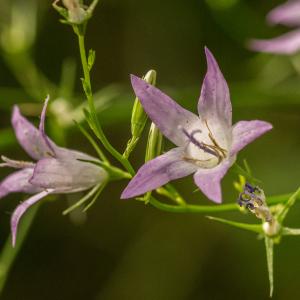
(207, 144)
(57, 170)
(287, 14)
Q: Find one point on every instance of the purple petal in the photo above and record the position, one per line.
(209, 180)
(214, 102)
(286, 14)
(163, 111)
(18, 182)
(66, 175)
(29, 137)
(21, 209)
(47, 142)
(288, 43)
(158, 172)
(244, 132)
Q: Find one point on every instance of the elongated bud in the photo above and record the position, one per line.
(138, 117)
(154, 144)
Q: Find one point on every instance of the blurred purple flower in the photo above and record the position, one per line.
(57, 170)
(287, 14)
(207, 144)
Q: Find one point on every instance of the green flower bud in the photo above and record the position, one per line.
(138, 117)
(154, 144)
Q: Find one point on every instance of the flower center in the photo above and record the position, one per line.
(204, 149)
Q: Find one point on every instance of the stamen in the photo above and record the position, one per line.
(218, 148)
(200, 145)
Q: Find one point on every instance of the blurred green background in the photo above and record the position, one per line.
(125, 249)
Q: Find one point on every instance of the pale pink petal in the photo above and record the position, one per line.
(21, 209)
(288, 43)
(209, 180)
(167, 115)
(286, 14)
(157, 172)
(214, 103)
(245, 132)
(67, 175)
(47, 141)
(18, 182)
(29, 137)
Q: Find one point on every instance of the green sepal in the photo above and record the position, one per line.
(269, 244)
(250, 227)
(285, 209)
(290, 231)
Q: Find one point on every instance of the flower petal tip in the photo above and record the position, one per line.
(125, 195)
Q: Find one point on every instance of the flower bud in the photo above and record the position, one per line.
(154, 143)
(138, 116)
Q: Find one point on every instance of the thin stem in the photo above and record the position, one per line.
(88, 91)
(190, 208)
(9, 254)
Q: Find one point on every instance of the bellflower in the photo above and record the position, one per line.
(56, 170)
(207, 144)
(286, 14)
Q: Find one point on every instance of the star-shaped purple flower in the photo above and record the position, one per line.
(57, 170)
(286, 14)
(207, 144)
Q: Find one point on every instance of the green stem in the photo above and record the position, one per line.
(88, 91)
(9, 254)
(190, 208)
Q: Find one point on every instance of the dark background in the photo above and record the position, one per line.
(125, 249)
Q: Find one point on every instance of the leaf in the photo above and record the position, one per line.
(250, 227)
(269, 252)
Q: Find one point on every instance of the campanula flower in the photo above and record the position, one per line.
(56, 170)
(207, 144)
(286, 14)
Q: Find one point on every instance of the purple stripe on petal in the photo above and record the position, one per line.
(165, 113)
(209, 180)
(158, 172)
(18, 182)
(28, 136)
(67, 175)
(21, 209)
(288, 43)
(214, 102)
(286, 14)
(244, 132)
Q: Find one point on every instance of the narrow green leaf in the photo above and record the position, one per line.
(250, 227)
(283, 213)
(269, 252)
(91, 58)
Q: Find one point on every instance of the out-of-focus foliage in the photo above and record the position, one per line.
(124, 249)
